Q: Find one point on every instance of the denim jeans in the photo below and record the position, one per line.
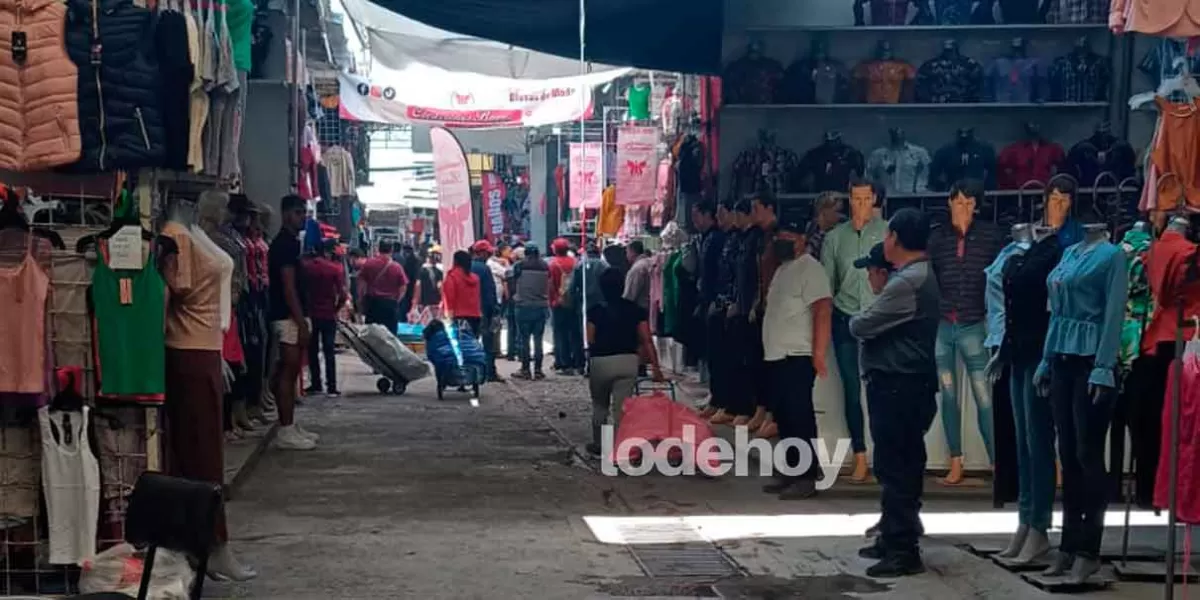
(567, 338)
(954, 340)
(321, 342)
(902, 409)
(845, 349)
(510, 320)
(792, 381)
(1082, 423)
(1034, 421)
(531, 325)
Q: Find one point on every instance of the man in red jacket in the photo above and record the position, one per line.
(568, 329)
(326, 281)
(381, 284)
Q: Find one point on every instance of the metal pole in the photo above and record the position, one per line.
(295, 104)
(1176, 385)
(583, 99)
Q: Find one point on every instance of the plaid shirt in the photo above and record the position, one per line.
(949, 79)
(1078, 11)
(1080, 77)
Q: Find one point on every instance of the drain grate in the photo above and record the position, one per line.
(683, 560)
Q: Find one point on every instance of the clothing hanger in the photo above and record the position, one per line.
(124, 215)
(12, 218)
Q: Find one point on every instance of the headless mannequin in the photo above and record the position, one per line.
(950, 49)
(194, 373)
(1017, 49)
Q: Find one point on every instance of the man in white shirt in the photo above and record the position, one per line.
(796, 332)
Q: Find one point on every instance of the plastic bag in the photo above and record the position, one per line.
(656, 417)
(397, 356)
(119, 569)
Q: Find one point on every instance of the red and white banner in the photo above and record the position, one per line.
(637, 165)
(455, 224)
(587, 174)
(430, 96)
(494, 191)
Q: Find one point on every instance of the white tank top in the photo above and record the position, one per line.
(71, 481)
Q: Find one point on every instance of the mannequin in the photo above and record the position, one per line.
(1014, 78)
(194, 369)
(831, 165)
(959, 255)
(885, 12)
(949, 77)
(1102, 152)
(753, 78)
(900, 166)
(1134, 244)
(1087, 293)
(964, 158)
(815, 79)
(843, 245)
(1031, 159)
(883, 79)
(244, 216)
(638, 96)
(1060, 196)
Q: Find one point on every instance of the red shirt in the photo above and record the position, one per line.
(1166, 271)
(560, 271)
(460, 294)
(256, 263)
(383, 277)
(326, 282)
(1026, 161)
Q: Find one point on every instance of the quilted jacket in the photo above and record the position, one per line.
(119, 83)
(39, 117)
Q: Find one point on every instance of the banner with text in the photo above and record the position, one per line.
(424, 95)
(455, 225)
(637, 165)
(494, 190)
(587, 174)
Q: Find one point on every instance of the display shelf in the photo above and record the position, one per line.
(1009, 27)
(1032, 192)
(922, 106)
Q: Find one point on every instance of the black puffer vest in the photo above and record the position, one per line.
(120, 116)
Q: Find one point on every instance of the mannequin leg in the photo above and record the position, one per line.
(1147, 430)
(195, 420)
(1068, 387)
(717, 367)
(975, 358)
(1093, 417)
(845, 352)
(946, 357)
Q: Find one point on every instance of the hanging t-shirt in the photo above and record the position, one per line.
(639, 102)
(71, 483)
(130, 321)
(239, 17)
(23, 290)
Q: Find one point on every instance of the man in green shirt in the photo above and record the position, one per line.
(851, 295)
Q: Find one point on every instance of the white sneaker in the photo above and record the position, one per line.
(288, 438)
(316, 437)
(223, 566)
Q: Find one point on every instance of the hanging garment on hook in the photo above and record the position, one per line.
(1176, 152)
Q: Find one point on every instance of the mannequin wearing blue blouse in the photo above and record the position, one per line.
(1087, 293)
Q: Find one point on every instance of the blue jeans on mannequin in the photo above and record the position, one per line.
(955, 340)
(845, 350)
(1034, 420)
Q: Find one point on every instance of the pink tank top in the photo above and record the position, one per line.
(23, 290)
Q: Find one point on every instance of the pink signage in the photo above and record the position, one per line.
(457, 231)
(587, 174)
(637, 165)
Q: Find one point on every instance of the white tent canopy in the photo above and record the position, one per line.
(396, 41)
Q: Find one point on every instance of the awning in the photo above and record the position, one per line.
(649, 34)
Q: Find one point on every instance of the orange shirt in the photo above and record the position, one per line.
(884, 80)
(194, 309)
(1176, 152)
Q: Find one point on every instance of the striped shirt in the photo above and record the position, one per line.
(959, 263)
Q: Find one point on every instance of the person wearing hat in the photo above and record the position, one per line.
(897, 333)
(878, 268)
(489, 302)
(796, 326)
(325, 278)
(531, 299)
(568, 331)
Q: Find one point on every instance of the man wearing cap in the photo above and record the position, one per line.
(381, 285)
(795, 339)
(489, 302)
(568, 328)
(326, 281)
(897, 333)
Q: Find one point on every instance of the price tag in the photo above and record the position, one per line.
(125, 249)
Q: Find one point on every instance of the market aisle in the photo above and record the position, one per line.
(408, 497)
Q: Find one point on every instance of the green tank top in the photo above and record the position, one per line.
(639, 103)
(130, 321)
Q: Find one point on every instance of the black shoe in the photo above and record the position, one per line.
(522, 374)
(497, 379)
(873, 530)
(897, 565)
(801, 489)
(539, 375)
(872, 552)
(334, 393)
(777, 486)
(567, 371)
(312, 389)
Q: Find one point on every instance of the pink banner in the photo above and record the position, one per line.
(637, 162)
(455, 225)
(587, 174)
(493, 206)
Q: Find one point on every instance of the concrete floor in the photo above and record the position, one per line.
(409, 497)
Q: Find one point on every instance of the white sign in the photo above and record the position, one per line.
(426, 95)
(125, 249)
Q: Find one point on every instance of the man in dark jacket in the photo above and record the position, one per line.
(897, 334)
(531, 299)
(489, 303)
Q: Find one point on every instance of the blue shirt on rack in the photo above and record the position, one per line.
(994, 294)
(1087, 292)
